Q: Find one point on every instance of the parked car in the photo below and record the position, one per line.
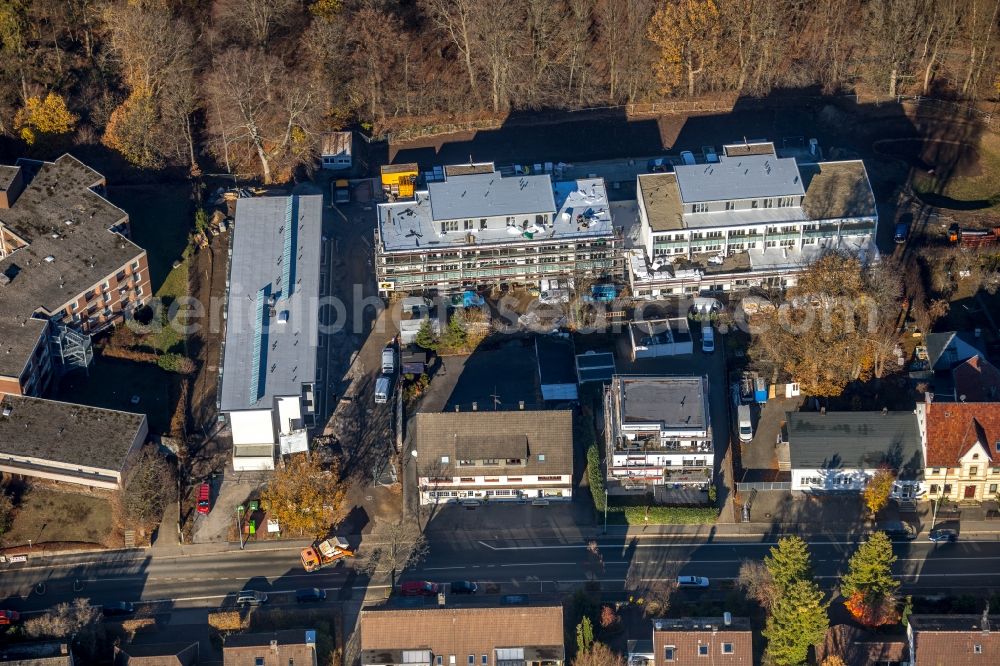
(251, 598)
(310, 595)
(687, 157)
(204, 498)
(943, 536)
(658, 165)
(745, 422)
(692, 581)
(514, 600)
(902, 232)
(118, 609)
(419, 588)
(464, 587)
(382, 386)
(897, 529)
(707, 339)
(9, 617)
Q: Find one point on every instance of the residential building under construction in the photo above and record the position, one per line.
(476, 228)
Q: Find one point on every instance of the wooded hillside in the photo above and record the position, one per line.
(248, 85)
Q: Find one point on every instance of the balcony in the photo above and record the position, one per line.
(654, 445)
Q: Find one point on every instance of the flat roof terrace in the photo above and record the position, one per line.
(582, 212)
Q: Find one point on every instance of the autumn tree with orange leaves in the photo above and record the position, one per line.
(687, 33)
(303, 497)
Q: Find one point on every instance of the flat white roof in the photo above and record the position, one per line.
(271, 350)
(742, 177)
(478, 195)
(582, 205)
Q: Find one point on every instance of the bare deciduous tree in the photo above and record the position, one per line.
(254, 22)
(401, 545)
(263, 111)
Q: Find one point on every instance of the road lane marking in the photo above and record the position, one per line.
(718, 544)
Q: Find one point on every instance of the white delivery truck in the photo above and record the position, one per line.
(382, 385)
(389, 360)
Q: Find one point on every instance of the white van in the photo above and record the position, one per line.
(707, 339)
(744, 423)
(382, 390)
(388, 360)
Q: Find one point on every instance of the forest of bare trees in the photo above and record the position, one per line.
(247, 86)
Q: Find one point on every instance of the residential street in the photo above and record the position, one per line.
(529, 564)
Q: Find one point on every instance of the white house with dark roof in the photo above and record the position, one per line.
(68, 443)
(751, 219)
(494, 456)
(658, 431)
(269, 366)
(842, 451)
(478, 227)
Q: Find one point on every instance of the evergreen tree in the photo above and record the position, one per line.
(870, 569)
(868, 586)
(455, 335)
(584, 635)
(425, 336)
(789, 562)
(798, 621)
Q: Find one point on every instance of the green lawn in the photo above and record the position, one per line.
(981, 186)
(168, 339)
(162, 217)
(48, 515)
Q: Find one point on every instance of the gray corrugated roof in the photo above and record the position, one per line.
(488, 195)
(288, 350)
(747, 177)
(859, 440)
(549, 433)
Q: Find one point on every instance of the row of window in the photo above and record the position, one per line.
(935, 489)
(779, 202)
(469, 225)
(670, 651)
(493, 479)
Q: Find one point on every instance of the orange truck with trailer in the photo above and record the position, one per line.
(324, 553)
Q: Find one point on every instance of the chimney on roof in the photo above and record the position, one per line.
(456, 408)
(274, 645)
(727, 618)
(475, 406)
(520, 405)
(961, 398)
(885, 410)
(986, 619)
(822, 411)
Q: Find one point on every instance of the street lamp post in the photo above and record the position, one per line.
(239, 524)
(605, 509)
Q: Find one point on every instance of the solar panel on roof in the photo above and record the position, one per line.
(258, 332)
(287, 258)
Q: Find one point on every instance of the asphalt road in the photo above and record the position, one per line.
(515, 567)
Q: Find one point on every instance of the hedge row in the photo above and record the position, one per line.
(595, 477)
(662, 515)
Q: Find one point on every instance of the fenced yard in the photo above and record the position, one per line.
(49, 516)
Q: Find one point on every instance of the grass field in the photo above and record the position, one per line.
(983, 184)
(47, 515)
(168, 339)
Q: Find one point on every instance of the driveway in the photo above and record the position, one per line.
(229, 490)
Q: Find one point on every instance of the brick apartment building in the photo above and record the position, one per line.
(67, 269)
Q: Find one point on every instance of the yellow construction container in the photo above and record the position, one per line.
(398, 180)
